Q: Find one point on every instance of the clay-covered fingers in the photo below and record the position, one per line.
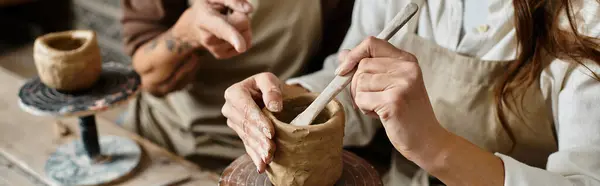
(252, 135)
(251, 147)
(258, 148)
(271, 89)
(243, 105)
(252, 131)
(371, 48)
(260, 165)
(246, 117)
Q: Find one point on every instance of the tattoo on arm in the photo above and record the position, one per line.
(152, 45)
(172, 43)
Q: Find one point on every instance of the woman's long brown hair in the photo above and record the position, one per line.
(538, 34)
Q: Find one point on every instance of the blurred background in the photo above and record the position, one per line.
(21, 21)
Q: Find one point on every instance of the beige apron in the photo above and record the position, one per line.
(461, 92)
(189, 122)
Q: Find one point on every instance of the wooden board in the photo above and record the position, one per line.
(28, 140)
(14, 175)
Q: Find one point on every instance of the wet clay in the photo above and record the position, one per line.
(294, 106)
(68, 61)
(307, 155)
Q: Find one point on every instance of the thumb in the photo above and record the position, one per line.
(270, 87)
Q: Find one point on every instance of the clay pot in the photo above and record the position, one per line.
(307, 155)
(68, 61)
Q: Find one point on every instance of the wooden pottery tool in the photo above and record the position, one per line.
(340, 82)
(94, 159)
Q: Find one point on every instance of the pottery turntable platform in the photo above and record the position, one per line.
(356, 172)
(94, 159)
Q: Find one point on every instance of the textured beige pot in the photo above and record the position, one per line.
(308, 155)
(68, 61)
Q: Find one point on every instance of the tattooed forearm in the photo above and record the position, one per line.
(152, 45)
(172, 43)
(184, 47)
(177, 69)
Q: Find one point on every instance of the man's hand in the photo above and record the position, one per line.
(220, 26)
(245, 116)
(168, 63)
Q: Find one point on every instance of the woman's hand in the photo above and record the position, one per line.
(388, 85)
(245, 117)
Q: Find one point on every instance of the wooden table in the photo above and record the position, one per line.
(26, 141)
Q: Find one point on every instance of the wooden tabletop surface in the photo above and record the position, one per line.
(26, 141)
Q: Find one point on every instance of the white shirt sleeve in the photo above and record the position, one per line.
(368, 19)
(575, 94)
(577, 161)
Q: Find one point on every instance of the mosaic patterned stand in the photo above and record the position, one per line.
(91, 160)
(357, 172)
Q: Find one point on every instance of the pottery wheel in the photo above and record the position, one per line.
(70, 165)
(357, 172)
(116, 84)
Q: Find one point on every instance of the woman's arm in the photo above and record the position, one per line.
(388, 85)
(577, 122)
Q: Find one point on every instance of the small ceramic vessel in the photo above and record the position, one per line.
(68, 61)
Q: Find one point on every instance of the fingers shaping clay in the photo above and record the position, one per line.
(307, 155)
(68, 61)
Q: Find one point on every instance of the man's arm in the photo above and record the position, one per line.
(144, 20)
(150, 37)
(161, 35)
